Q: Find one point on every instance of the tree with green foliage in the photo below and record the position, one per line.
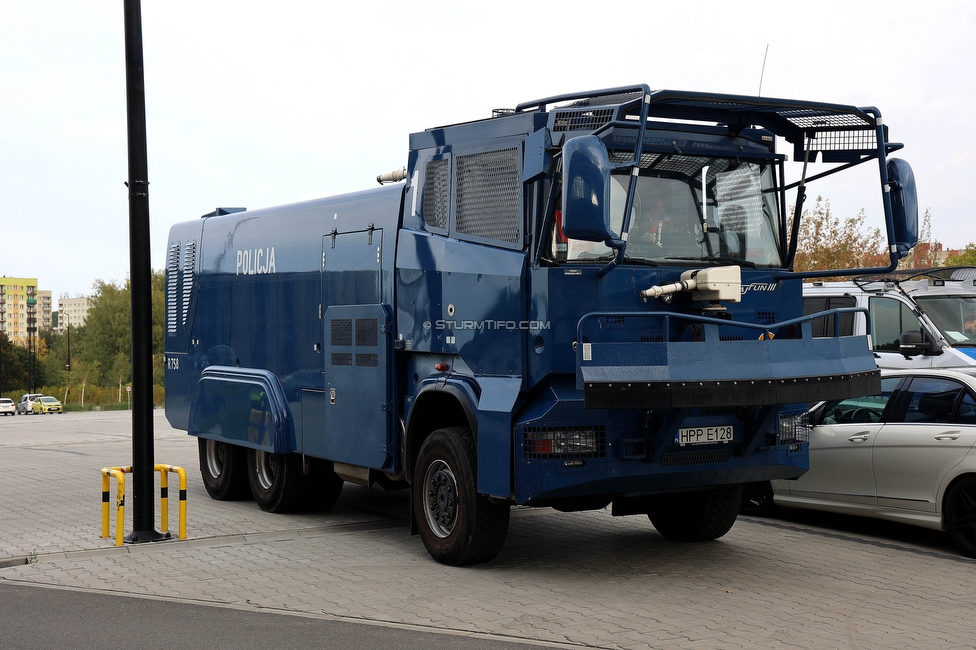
(825, 241)
(104, 343)
(13, 374)
(926, 252)
(967, 257)
(100, 362)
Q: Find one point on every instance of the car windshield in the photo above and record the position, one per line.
(671, 223)
(48, 400)
(955, 316)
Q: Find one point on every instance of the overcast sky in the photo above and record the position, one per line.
(258, 104)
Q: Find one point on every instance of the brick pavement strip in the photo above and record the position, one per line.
(583, 579)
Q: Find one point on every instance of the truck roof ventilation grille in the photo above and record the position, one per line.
(581, 120)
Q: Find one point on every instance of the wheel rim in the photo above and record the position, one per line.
(440, 498)
(215, 458)
(962, 520)
(264, 469)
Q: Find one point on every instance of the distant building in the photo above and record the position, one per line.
(44, 309)
(20, 312)
(72, 311)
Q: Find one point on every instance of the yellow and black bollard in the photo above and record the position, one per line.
(118, 473)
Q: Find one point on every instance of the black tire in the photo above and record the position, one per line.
(458, 525)
(959, 515)
(696, 516)
(757, 499)
(277, 481)
(223, 469)
(323, 485)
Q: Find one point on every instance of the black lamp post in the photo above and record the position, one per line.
(140, 287)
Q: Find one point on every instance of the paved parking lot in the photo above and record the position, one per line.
(582, 579)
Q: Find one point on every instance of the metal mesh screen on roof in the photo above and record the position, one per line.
(488, 195)
(587, 119)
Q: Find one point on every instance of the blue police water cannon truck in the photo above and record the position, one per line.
(585, 301)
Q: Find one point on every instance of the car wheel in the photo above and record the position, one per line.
(696, 516)
(457, 525)
(959, 515)
(277, 480)
(223, 469)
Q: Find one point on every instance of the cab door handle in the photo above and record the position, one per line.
(948, 436)
(860, 437)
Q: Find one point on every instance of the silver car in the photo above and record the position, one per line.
(26, 403)
(905, 455)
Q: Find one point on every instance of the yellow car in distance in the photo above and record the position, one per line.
(47, 405)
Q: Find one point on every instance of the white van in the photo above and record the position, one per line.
(918, 316)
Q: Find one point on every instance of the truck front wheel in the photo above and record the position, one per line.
(458, 525)
(696, 516)
(223, 470)
(277, 481)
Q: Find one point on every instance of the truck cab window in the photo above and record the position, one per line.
(671, 223)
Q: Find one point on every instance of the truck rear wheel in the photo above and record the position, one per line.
(223, 470)
(277, 481)
(458, 525)
(696, 516)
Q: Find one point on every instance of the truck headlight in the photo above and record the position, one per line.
(564, 442)
(794, 430)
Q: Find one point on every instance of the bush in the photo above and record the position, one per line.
(106, 398)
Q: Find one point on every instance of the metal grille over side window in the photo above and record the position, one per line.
(488, 195)
(436, 182)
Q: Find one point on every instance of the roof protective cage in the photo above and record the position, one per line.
(951, 273)
(840, 133)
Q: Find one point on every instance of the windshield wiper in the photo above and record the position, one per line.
(727, 260)
(610, 256)
(639, 260)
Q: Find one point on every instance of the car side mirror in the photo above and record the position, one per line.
(911, 344)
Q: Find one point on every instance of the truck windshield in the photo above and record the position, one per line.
(955, 316)
(671, 223)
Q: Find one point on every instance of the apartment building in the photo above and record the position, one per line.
(20, 313)
(72, 311)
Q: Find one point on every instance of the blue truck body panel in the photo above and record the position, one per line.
(349, 328)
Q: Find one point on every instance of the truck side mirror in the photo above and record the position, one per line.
(586, 190)
(904, 206)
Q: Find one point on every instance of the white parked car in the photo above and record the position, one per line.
(7, 406)
(905, 455)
